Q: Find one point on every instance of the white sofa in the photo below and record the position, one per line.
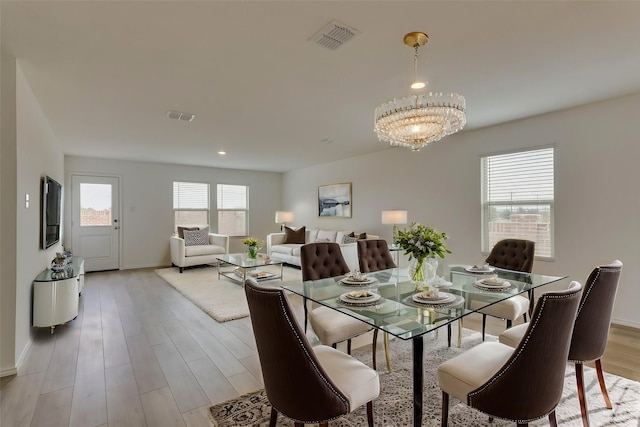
(290, 252)
(187, 256)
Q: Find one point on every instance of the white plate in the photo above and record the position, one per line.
(438, 282)
(351, 282)
(479, 269)
(346, 297)
(493, 284)
(442, 298)
(493, 281)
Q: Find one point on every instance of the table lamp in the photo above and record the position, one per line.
(395, 217)
(283, 217)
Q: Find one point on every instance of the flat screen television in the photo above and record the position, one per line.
(51, 205)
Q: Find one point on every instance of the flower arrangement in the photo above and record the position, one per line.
(252, 247)
(250, 241)
(421, 242)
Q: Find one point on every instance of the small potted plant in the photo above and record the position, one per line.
(252, 247)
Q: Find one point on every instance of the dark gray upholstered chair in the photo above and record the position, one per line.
(515, 255)
(521, 384)
(323, 260)
(374, 255)
(307, 384)
(591, 329)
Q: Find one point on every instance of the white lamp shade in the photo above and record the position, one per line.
(394, 217)
(283, 217)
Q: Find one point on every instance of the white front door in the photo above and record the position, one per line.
(95, 223)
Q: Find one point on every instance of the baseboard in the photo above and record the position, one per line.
(8, 372)
(626, 323)
(135, 267)
(14, 370)
(24, 353)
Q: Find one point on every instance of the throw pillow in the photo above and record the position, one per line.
(362, 236)
(196, 237)
(181, 231)
(352, 234)
(294, 236)
(322, 240)
(349, 239)
(327, 234)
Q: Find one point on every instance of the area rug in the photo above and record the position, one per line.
(222, 299)
(394, 405)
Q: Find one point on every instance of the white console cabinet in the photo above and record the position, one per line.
(56, 295)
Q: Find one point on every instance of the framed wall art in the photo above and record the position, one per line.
(334, 200)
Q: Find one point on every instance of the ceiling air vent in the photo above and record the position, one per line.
(334, 35)
(186, 117)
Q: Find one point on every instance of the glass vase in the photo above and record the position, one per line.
(421, 271)
(252, 252)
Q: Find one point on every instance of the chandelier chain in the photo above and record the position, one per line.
(415, 63)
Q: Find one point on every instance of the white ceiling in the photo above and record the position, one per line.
(105, 73)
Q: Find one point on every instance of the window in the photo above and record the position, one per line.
(95, 205)
(233, 209)
(190, 204)
(517, 199)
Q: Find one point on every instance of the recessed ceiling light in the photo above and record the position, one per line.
(222, 153)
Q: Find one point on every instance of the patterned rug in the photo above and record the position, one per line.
(222, 299)
(394, 405)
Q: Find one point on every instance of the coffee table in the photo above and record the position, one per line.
(244, 266)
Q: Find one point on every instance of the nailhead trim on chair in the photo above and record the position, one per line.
(324, 379)
(525, 340)
(584, 301)
(588, 290)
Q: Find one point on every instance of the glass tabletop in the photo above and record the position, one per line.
(393, 307)
(241, 260)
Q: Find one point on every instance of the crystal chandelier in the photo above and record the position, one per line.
(416, 120)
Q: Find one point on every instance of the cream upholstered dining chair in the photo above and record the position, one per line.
(590, 331)
(307, 384)
(323, 260)
(374, 255)
(521, 384)
(515, 255)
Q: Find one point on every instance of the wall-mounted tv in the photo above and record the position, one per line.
(51, 205)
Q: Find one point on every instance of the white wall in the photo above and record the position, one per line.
(8, 232)
(596, 210)
(33, 152)
(38, 155)
(147, 203)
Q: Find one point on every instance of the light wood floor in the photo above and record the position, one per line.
(140, 354)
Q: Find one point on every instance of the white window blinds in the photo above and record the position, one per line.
(190, 204)
(518, 197)
(233, 209)
(190, 195)
(519, 177)
(232, 196)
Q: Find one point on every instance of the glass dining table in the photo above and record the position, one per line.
(386, 300)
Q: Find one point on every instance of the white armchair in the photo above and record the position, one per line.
(187, 256)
